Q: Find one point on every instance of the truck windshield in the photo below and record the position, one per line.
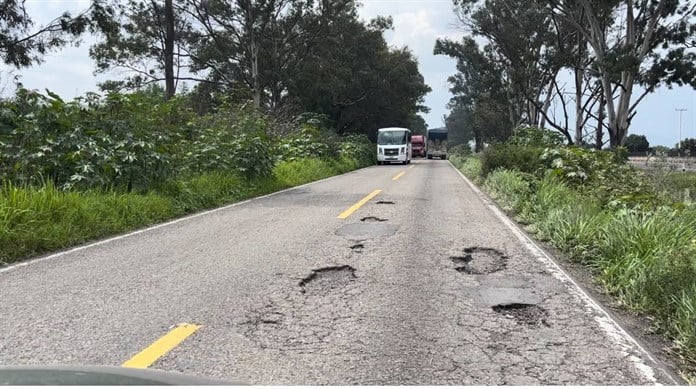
(392, 138)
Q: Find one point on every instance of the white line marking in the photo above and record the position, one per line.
(614, 332)
(184, 218)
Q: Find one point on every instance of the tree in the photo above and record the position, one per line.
(22, 45)
(687, 147)
(482, 97)
(633, 42)
(355, 79)
(637, 143)
(459, 126)
(259, 44)
(147, 39)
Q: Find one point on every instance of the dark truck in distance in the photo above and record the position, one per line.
(437, 143)
(418, 145)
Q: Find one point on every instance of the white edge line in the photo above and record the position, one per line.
(165, 224)
(615, 333)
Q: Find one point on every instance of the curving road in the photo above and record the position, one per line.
(424, 281)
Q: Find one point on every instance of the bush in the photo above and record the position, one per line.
(359, 148)
(460, 150)
(509, 156)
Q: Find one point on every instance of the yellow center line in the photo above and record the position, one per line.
(398, 176)
(359, 204)
(162, 346)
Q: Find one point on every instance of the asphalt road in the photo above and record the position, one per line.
(426, 283)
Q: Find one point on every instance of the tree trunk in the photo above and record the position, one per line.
(255, 72)
(478, 140)
(578, 106)
(170, 87)
(599, 134)
(545, 108)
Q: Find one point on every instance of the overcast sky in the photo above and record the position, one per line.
(417, 24)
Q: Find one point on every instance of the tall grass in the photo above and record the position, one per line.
(39, 220)
(509, 188)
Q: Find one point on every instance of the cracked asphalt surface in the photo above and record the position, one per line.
(422, 285)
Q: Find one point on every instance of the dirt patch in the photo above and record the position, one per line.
(527, 314)
(326, 279)
(373, 219)
(479, 260)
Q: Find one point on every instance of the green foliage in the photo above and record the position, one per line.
(304, 144)
(509, 156)
(598, 172)
(637, 143)
(304, 170)
(460, 150)
(36, 220)
(529, 136)
(120, 140)
(358, 148)
(509, 187)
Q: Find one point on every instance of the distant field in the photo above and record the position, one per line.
(671, 163)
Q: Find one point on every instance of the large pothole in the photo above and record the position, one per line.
(527, 314)
(327, 278)
(479, 260)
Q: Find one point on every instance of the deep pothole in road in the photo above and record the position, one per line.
(327, 278)
(527, 314)
(479, 260)
(373, 219)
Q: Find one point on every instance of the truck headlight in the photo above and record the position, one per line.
(403, 150)
(379, 150)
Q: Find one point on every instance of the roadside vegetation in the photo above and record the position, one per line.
(76, 171)
(635, 231)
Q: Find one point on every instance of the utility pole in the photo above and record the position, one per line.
(680, 110)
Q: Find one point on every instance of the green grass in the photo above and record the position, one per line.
(37, 220)
(305, 170)
(646, 258)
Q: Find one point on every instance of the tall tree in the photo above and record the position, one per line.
(482, 93)
(146, 38)
(634, 43)
(358, 81)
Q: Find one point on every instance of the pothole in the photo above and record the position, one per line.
(373, 219)
(328, 278)
(357, 247)
(385, 202)
(527, 314)
(479, 260)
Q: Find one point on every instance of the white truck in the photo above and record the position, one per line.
(393, 145)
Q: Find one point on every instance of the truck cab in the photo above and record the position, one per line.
(418, 145)
(393, 145)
